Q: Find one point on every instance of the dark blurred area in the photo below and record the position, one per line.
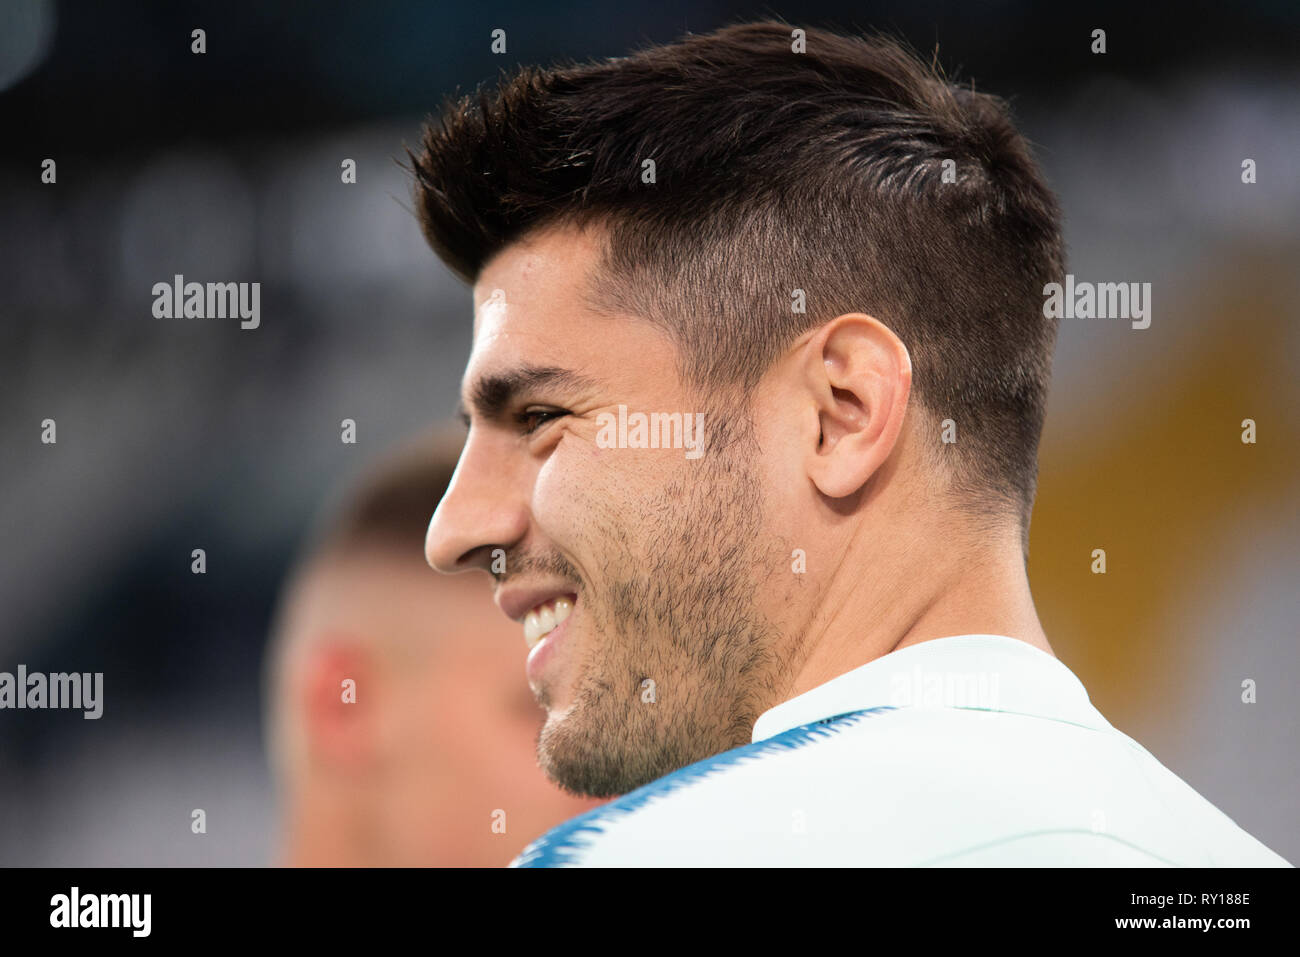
(225, 166)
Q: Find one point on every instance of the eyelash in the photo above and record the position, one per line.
(545, 415)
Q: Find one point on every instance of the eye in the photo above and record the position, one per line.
(530, 420)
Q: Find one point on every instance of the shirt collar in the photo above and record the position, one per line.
(980, 672)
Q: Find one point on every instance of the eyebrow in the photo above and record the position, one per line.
(492, 395)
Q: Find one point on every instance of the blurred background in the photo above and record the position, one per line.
(176, 435)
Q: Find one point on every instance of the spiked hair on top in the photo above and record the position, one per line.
(851, 171)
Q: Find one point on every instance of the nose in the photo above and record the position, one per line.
(483, 509)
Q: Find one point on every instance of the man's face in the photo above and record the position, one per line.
(666, 656)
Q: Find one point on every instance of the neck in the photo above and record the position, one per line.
(945, 581)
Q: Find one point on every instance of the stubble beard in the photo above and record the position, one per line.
(683, 661)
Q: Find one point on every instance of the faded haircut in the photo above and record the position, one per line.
(825, 171)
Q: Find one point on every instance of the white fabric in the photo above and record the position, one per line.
(987, 752)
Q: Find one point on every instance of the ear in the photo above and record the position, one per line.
(338, 698)
(860, 376)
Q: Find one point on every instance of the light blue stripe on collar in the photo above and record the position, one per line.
(981, 672)
(568, 843)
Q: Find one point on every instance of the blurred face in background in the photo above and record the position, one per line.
(435, 762)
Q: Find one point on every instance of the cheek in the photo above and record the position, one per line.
(571, 484)
(587, 499)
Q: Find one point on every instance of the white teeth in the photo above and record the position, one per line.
(545, 618)
(563, 609)
(532, 628)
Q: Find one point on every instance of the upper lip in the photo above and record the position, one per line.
(517, 600)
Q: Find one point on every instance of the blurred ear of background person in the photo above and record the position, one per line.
(402, 731)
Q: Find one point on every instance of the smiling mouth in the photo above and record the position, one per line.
(546, 617)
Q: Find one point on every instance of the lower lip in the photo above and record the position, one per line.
(544, 651)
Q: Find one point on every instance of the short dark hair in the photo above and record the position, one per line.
(826, 171)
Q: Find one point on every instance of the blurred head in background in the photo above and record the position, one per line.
(401, 729)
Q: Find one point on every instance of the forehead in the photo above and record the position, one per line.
(531, 308)
(547, 270)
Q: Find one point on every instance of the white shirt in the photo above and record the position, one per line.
(977, 750)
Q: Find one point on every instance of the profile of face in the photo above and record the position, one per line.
(664, 562)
